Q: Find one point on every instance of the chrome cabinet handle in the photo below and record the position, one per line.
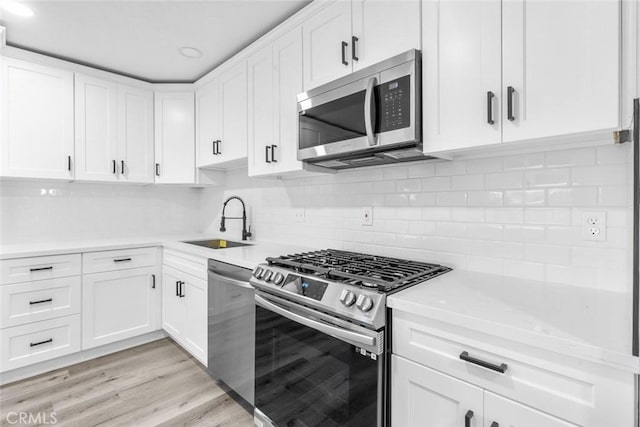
(467, 418)
(273, 153)
(501, 368)
(354, 48)
(490, 96)
(41, 301)
(41, 268)
(114, 167)
(122, 260)
(368, 107)
(344, 46)
(510, 92)
(122, 167)
(33, 344)
(157, 169)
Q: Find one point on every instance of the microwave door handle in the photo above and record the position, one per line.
(349, 336)
(368, 108)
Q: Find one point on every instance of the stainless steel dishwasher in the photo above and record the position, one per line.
(232, 327)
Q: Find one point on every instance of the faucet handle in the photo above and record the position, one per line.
(248, 233)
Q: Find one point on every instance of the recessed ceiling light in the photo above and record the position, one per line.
(16, 8)
(190, 52)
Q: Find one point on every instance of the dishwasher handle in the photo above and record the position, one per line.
(230, 280)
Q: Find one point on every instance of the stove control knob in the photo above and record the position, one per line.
(266, 276)
(278, 278)
(347, 298)
(364, 303)
(258, 272)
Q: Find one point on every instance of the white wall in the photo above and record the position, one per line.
(51, 211)
(517, 215)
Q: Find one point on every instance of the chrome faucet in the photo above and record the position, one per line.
(245, 234)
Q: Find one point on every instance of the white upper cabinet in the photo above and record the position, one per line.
(96, 124)
(222, 117)
(502, 71)
(174, 137)
(135, 134)
(461, 74)
(262, 115)
(208, 123)
(275, 79)
(562, 61)
(233, 114)
(327, 41)
(113, 131)
(36, 121)
(382, 29)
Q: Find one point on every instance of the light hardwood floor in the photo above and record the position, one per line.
(153, 384)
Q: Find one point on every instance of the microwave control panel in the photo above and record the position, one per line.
(395, 103)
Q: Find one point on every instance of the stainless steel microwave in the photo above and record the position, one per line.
(370, 117)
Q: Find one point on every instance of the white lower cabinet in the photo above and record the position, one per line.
(441, 372)
(36, 342)
(499, 411)
(422, 397)
(184, 311)
(118, 305)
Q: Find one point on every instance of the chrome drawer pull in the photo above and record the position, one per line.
(33, 344)
(122, 260)
(502, 368)
(41, 268)
(40, 301)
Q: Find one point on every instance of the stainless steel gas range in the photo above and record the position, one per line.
(321, 336)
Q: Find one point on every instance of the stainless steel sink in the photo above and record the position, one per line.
(217, 243)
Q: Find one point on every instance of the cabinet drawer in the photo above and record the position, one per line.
(37, 342)
(187, 263)
(29, 302)
(38, 268)
(568, 391)
(100, 262)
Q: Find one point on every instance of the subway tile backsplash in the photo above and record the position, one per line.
(514, 215)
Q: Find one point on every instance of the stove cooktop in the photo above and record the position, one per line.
(384, 274)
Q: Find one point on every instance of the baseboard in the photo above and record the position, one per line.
(82, 356)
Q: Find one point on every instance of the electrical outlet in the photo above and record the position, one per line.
(594, 226)
(367, 216)
(299, 215)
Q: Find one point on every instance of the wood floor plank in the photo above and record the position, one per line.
(153, 384)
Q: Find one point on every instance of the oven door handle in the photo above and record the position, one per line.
(349, 336)
(368, 107)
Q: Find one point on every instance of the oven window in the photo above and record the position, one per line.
(305, 378)
(334, 121)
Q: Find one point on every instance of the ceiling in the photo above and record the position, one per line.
(141, 38)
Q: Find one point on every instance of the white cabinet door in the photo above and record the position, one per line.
(327, 44)
(461, 69)
(207, 123)
(562, 59)
(36, 121)
(96, 124)
(505, 412)
(422, 397)
(196, 325)
(233, 114)
(119, 305)
(135, 134)
(262, 114)
(173, 306)
(174, 138)
(382, 29)
(287, 52)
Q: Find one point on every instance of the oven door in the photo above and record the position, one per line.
(311, 371)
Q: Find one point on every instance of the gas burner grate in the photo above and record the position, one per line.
(383, 273)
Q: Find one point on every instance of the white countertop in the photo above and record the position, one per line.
(244, 256)
(580, 322)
